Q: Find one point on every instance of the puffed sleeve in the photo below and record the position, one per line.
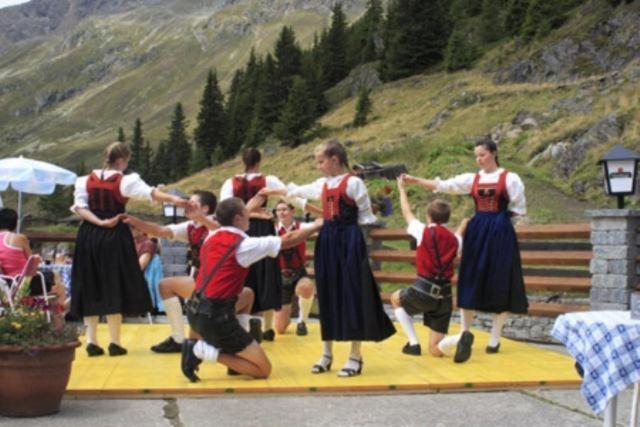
(274, 182)
(459, 184)
(80, 194)
(226, 191)
(311, 191)
(133, 186)
(517, 200)
(357, 190)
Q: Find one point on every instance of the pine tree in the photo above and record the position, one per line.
(515, 16)
(491, 25)
(459, 53)
(178, 148)
(416, 36)
(56, 205)
(121, 137)
(288, 61)
(147, 159)
(160, 165)
(137, 144)
(334, 58)
(374, 20)
(363, 108)
(297, 116)
(312, 73)
(210, 131)
(234, 119)
(542, 17)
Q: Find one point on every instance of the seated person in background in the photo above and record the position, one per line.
(150, 264)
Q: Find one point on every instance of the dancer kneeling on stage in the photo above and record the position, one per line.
(225, 259)
(437, 248)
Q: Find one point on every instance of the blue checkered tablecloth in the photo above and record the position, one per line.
(607, 345)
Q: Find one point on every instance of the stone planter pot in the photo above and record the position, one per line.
(33, 381)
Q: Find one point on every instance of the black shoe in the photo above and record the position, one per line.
(94, 350)
(301, 329)
(413, 350)
(463, 350)
(189, 362)
(269, 335)
(232, 373)
(255, 329)
(350, 372)
(116, 350)
(167, 346)
(579, 369)
(492, 350)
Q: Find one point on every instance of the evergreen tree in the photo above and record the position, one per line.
(297, 116)
(160, 166)
(334, 58)
(312, 73)
(210, 131)
(137, 145)
(200, 160)
(374, 20)
(147, 159)
(363, 108)
(491, 26)
(178, 148)
(542, 17)
(234, 119)
(416, 36)
(515, 16)
(121, 137)
(56, 205)
(460, 51)
(288, 61)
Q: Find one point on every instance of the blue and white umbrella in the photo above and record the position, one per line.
(33, 177)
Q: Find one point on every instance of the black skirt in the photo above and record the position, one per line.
(264, 276)
(106, 277)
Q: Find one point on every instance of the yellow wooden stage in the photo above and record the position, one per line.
(386, 368)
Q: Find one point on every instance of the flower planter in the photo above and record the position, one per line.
(33, 381)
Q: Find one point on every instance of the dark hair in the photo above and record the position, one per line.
(334, 148)
(208, 199)
(115, 151)
(227, 210)
(488, 144)
(8, 219)
(284, 202)
(439, 211)
(251, 157)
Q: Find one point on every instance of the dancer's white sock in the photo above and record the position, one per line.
(174, 315)
(243, 319)
(205, 351)
(114, 321)
(466, 318)
(449, 343)
(496, 328)
(327, 353)
(305, 307)
(267, 320)
(91, 322)
(407, 325)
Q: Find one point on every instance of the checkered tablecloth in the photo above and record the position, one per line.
(607, 345)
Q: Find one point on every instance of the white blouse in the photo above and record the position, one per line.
(462, 184)
(356, 190)
(131, 185)
(271, 181)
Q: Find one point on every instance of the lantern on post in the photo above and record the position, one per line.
(172, 211)
(620, 167)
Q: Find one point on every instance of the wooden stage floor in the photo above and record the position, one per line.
(386, 369)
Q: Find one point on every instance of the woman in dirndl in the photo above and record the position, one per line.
(106, 279)
(490, 276)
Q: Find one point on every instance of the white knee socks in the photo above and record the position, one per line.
(205, 351)
(174, 316)
(305, 307)
(449, 343)
(267, 320)
(114, 321)
(91, 322)
(407, 325)
(496, 328)
(243, 319)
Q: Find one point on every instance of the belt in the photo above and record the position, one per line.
(217, 310)
(289, 273)
(427, 287)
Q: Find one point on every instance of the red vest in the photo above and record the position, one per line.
(426, 260)
(197, 235)
(491, 197)
(292, 258)
(335, 201)
(229, 279)
(105, 199)
(247, 188)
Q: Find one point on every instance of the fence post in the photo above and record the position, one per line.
(613, 267)
(373, 244)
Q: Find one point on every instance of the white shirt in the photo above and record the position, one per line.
(181, 230)
(303, 226)
(462, 184)
(226, 191)
(356, 190)
(416, 230)
(252, 249)
(131, 185)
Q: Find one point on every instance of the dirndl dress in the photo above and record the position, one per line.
(490, 276)
(348, 295)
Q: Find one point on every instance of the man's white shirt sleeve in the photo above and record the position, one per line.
(253, 249)
(416, 230)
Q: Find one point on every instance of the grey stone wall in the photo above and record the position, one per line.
(174, 258)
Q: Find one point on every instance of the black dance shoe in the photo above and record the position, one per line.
(167, 346)
(189, 362)
(255, 329)
(94, 350)
(463, 350)
(492, 349)
(301, 329)
(116, 350)
(232, 373)
(269, 335)
(413, 350)
(350, 372)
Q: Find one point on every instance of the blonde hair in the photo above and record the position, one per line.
(333, 148)
(115, 151)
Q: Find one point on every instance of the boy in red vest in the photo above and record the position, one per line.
(225, 258)
(437, 248)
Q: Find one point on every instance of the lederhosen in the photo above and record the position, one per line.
(264, 276)
(106, 277)
(292, 266)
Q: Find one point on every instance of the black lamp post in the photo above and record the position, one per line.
(172, 211)
(620, 170)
